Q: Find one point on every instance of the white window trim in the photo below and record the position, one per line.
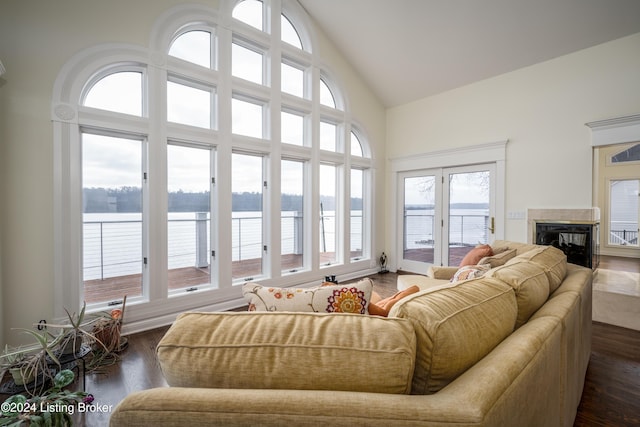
(69, 117)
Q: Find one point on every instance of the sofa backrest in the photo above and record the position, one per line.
(298, 351)
(529, 282)
(552, 260)
(456, 327)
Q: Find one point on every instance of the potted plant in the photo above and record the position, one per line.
(74, 334)
(14, 361)
(51, 408)
(107, 333)
(38, 363)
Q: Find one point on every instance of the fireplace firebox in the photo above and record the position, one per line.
(579, 241)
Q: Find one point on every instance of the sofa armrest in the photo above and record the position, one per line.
(441, 273)
(207, 407)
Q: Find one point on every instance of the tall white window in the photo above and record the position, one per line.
(247, 185)
(328, 211)
(189, 181)
(112, 209)
(293, 215)
(180, 175)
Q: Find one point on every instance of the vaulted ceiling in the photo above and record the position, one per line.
(410, 49)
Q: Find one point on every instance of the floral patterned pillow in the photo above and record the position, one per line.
(470, 272)
(347, 298)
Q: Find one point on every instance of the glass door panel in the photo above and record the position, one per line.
(420, 233)
(469, 220)
(444, 214)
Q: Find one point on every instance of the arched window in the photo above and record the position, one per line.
(250, 12)
(120, 91)
(326, 96)
(194, 46)
(170, 201)
(289, 33)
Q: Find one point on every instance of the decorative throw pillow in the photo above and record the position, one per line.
(470, 272)
(498, 259)
(476, 254)
(347, 298)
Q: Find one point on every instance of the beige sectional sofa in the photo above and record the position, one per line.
(508, 348)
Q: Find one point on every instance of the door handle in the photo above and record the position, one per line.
(492, 227)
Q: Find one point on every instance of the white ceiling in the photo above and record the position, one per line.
(410, 49)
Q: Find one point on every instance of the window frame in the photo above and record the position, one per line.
(70, 117)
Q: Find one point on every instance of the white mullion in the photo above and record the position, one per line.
(273, 207)
(155, 214)
(223, 171)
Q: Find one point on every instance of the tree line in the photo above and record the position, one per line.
(129, 199)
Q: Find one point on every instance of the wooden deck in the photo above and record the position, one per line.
(115, 288)
(456, 254)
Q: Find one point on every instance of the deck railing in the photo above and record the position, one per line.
(114, 248)
(624, 237)
(464, 230)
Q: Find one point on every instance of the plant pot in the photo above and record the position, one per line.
(71, 345)
(19, 378)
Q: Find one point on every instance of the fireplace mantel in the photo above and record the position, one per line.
(577, 216)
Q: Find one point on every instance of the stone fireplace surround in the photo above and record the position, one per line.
(578, 216)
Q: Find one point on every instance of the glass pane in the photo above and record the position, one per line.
(326, 96)
(188, 105)
(188, 227)
(289, 33)
(327, 214)
(246, 63)
(120, 92)
(631, 154)
(356, 213)
(246, 186)
(624, 212)
(246, 118)
(292, 128)
(419, 216)
(112, 218)
(193, 46)
(328, 132)
(356, 147)
(249, 12)
(468, 213)
(292, 220)
(292, 80)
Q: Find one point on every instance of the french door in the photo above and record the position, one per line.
(444, 213)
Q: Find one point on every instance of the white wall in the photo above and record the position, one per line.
(36, 39)
(542, 110)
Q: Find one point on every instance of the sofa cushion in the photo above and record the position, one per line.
(552, 260)
(456, 326)
(476, 254)
(300, 351)
(530, 283)
(348, 298)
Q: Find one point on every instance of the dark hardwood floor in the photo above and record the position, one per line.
(611, 394)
